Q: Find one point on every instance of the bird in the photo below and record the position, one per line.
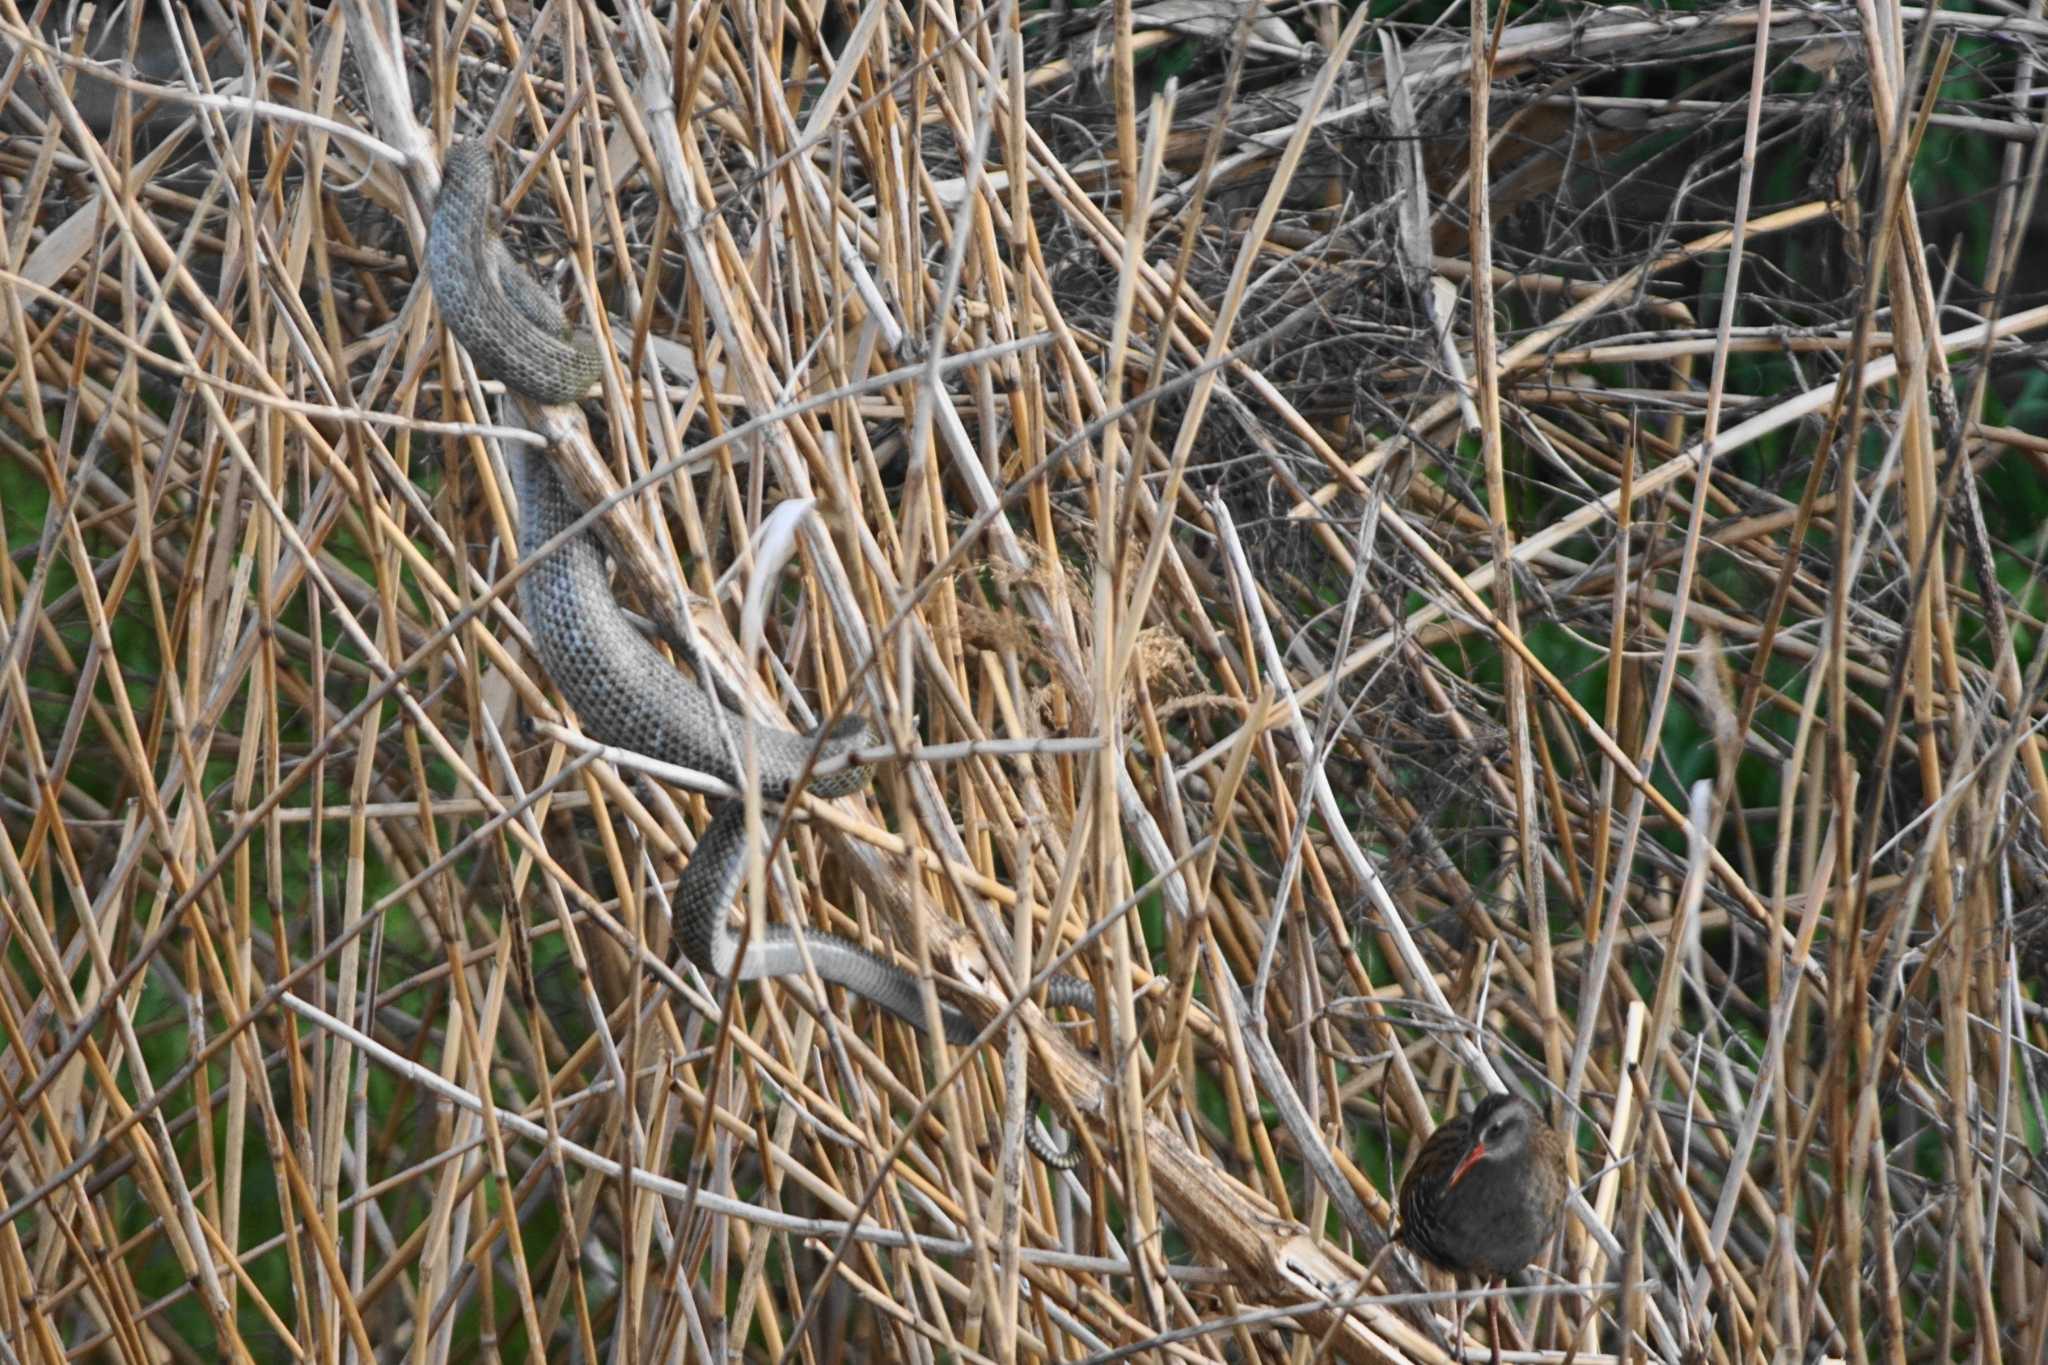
(1483, 1196)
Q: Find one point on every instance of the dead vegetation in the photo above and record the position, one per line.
(1264, 554)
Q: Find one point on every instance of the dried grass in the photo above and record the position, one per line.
(1130, 427)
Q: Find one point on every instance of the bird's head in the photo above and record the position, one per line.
(1500, 1132)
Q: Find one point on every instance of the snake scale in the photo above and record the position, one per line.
(624, 692)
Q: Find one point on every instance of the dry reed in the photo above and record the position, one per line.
(1263, 549)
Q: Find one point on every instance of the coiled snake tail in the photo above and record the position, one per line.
(705, 935)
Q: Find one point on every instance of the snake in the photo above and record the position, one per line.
(622, 690)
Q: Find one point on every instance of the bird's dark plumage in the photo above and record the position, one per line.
(1483, 1196)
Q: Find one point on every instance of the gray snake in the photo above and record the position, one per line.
(623, 691)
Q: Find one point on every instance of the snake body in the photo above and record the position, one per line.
(512, 328)
(622, 689)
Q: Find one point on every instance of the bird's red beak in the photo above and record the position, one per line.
(1471, 1159)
